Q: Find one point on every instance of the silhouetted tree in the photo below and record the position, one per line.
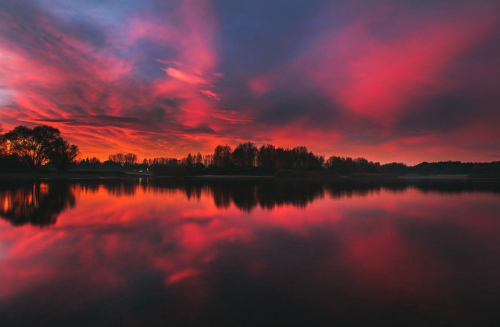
(348, 165)
(199, 159)
(130, 159)
(63, 155)
(33, 145)
(266, 157)
(2, 142)
(8, 161)
(118, 158)
(244, 155)
(305, 160)
(189, 160)
(222, 156)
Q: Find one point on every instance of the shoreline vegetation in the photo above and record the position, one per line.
(41, 152)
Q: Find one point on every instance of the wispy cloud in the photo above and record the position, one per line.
(392, 80)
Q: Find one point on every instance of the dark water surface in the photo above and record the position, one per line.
(249, 253)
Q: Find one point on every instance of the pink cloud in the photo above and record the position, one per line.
(379, 77)
(184, 77)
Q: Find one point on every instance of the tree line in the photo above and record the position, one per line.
(247, 159)
(26, 148)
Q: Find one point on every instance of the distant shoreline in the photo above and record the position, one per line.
(135, 175)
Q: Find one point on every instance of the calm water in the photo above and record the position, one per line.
(249, 253)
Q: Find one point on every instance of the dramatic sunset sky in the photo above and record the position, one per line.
(405, 80)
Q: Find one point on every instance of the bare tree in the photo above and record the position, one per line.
(130, 159)
(117, 158)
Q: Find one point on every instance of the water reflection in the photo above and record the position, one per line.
(36, 203)
(39, 203)
(202, 252)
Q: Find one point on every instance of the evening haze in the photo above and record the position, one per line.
(405, 80)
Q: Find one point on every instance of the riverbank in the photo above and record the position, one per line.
(73, 174)
(313, 175)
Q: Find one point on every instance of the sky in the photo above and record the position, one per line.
(405, 80)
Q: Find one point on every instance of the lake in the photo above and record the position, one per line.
(249, 252)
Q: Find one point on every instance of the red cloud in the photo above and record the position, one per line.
(379, 77)
(92, 94)
(154, 86)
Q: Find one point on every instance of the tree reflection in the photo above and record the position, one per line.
(35, 203)
(39, 203)
(247, 194)
(123, 188)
